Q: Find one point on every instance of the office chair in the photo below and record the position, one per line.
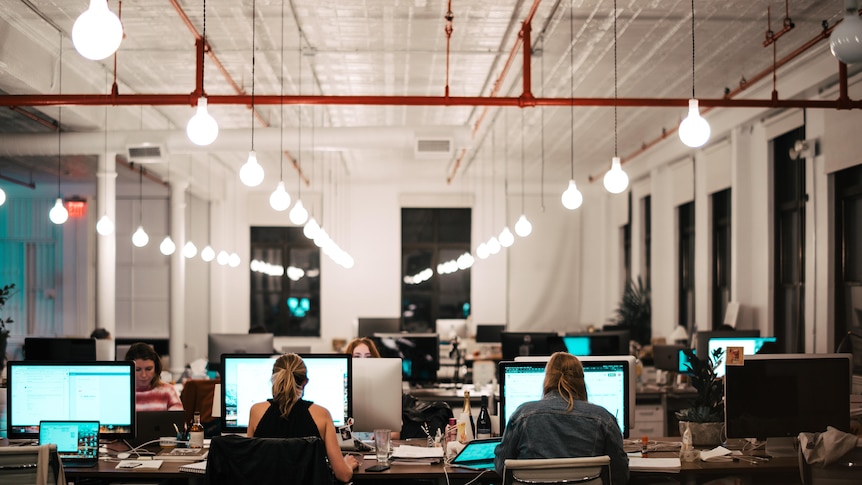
(592, 470)
(238, 460)
(199, 395)
(39, 465)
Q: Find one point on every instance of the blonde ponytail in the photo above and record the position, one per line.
(289, 375)
(564, 373)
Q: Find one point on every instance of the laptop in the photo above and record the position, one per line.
(77, 441)
(152, 425)
(477, 455)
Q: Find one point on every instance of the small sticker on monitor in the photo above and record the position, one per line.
(735, 356)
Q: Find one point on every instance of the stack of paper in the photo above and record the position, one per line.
(664, 465)
(416, 455)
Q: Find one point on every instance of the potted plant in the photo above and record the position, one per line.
(5, 294)
(705, 416)
(634, 312)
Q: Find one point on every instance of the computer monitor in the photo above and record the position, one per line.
(161, 345)
(377, 394)
(419, 354)
(247, 379)
(59, 349)
(70, 391)
(603, 342)
(702, 342)
(776, 397)
(489, 334)
(366, 327)
(750, 346)
(667, 357)
(236, 343)
(514, 344)
(685, 365)
(449, 328)
(610, 382)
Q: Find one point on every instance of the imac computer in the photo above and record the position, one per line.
(367, 327)
(750, 346)
(514, 344)
(419, 354)
(70, 391)
(603, 342)
(236, 343)
(377, 395)
(776, 397)
(59, 349)
(247, 379)
(449, 328)
(610, 382)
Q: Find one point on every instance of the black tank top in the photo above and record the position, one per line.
(298, 423)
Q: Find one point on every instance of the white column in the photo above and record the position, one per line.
(106, 259)
(178, 277)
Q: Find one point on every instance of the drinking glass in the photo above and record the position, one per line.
(381, 445)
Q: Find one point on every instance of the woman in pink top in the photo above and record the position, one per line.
(151, 394)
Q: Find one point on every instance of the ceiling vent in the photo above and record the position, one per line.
(433, 147)
(146, 153)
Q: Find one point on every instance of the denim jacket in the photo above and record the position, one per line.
(545, 429)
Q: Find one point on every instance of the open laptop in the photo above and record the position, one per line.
(77, 441)
(477, 455)
(152, 425)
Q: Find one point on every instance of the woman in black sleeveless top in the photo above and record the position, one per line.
(287, 415)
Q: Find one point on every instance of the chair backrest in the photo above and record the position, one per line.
(39, 465)
(592, 470)
(238, 459)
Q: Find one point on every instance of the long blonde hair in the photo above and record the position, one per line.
(289, 376)
(564, 373)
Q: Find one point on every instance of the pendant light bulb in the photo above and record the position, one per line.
(167, 247)
(845, 42)
(572, 197)
(616, 179)
(202, 128)
(482, 251)
(523, 227)
(494, 245)
(298, 215)
(58, 214)
(321, 238)
(506, 237)
(311, 228)
(2, 196)
(251, 173)
(222, 257)
(694, 129)
(105, 226)
(140, 237)
(279, 199)
(208, 254)
(233, 261)
(190, 250)
(98, 32)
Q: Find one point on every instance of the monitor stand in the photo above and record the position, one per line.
(781, 447)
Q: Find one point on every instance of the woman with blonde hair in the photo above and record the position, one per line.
(287, 415)
(563, 424)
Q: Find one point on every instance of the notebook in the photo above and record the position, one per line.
(152, 425)
(77, 441)
(477, 455)
(197, 467)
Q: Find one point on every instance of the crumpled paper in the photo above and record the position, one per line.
(826, 448)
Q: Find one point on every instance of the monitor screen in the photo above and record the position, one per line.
(366, 327)
(610, 383)
(750, 346)
(782, 395)
(237, 343)
(489, 334)
(702, 342)
(450, 328)
(514, 344)
(684, 362)
(419, 354)
(377, 400)
(159, 344)
(59, 349)
(247, 379)
(602, 342)
(70, 391)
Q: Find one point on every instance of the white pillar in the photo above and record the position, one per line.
(178, 277)
(106, 259)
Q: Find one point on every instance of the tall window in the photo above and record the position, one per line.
(430, 237)
(285, 282)
(646, 217)
(685, 277)
(720, 255)
(848, 251)
(790, 198)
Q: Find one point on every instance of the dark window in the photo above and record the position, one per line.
(686, 265)
(627, 246)
(285, 294)
(848, 251)
(430, 237)
(720, 255)
(646, 217)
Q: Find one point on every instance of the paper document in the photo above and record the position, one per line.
(140, 464)
(407, 451)
(640, 464)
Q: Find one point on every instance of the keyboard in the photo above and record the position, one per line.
(356, 445)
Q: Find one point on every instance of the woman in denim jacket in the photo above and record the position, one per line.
(563, 424)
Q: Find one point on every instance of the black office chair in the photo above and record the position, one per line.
(238, 460)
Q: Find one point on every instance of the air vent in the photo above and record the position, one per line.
(433, 147)
(146, 153)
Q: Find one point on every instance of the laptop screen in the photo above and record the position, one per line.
(75, 440)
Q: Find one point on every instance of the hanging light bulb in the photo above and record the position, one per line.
(482, 251)
(58, 214)
(279, 199)
(190, 250)
(105, 226)
(845, 42)
(222, 257)
(2, 196)
(298, 215)
(140, 237)
(167, 247)
(694, 129)
(506, 237)
(251, 172)
(523, 227)
(311, 228)
(572, 197)
(97, 32)
(616, 179)
(202, 128)
(321, 238)
(493, 245)
(233, 261)
(208, 254)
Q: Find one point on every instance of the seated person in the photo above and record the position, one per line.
(287, 415)
(151, 393)
(362, 348)
(579, 428)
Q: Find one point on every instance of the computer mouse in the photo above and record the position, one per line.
(123, 455)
